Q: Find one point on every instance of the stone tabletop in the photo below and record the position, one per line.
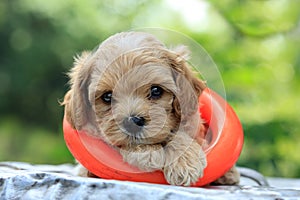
(25, 181)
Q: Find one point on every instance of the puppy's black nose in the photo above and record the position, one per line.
(140, 121)
(134, 124)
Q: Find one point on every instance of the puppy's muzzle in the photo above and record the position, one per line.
(134, 124)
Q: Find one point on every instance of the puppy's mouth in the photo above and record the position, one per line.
(136, 136)
(140, 137)
(140, 140)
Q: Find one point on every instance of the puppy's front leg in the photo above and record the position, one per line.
(145, 157)
(185, 160)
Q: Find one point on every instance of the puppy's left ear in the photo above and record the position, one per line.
(180, 65)
(189, 85)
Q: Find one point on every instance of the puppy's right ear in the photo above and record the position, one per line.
(76, 101)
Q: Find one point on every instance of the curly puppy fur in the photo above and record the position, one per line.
(142, 99)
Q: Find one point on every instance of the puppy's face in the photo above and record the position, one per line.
(134, 101)
(132, 91)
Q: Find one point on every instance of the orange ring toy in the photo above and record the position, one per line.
(225, 146)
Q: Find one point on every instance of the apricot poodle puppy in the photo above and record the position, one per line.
(142, 99)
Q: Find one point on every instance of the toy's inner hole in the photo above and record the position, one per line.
(208, 139)
(208, 135)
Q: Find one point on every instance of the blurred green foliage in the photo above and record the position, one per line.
(254, 43)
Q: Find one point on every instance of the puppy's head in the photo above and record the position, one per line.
(133, 90)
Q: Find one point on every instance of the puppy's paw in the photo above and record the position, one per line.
(187, 168)
(232, 177)
(145, 157)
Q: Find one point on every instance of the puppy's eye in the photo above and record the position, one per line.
(156, 92)
(106, 97)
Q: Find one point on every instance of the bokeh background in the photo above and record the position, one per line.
(255, 44)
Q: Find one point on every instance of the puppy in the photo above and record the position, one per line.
(142, 99)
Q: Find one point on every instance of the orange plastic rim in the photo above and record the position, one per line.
(222, 153)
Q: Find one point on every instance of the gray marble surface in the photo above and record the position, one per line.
(25, 181)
